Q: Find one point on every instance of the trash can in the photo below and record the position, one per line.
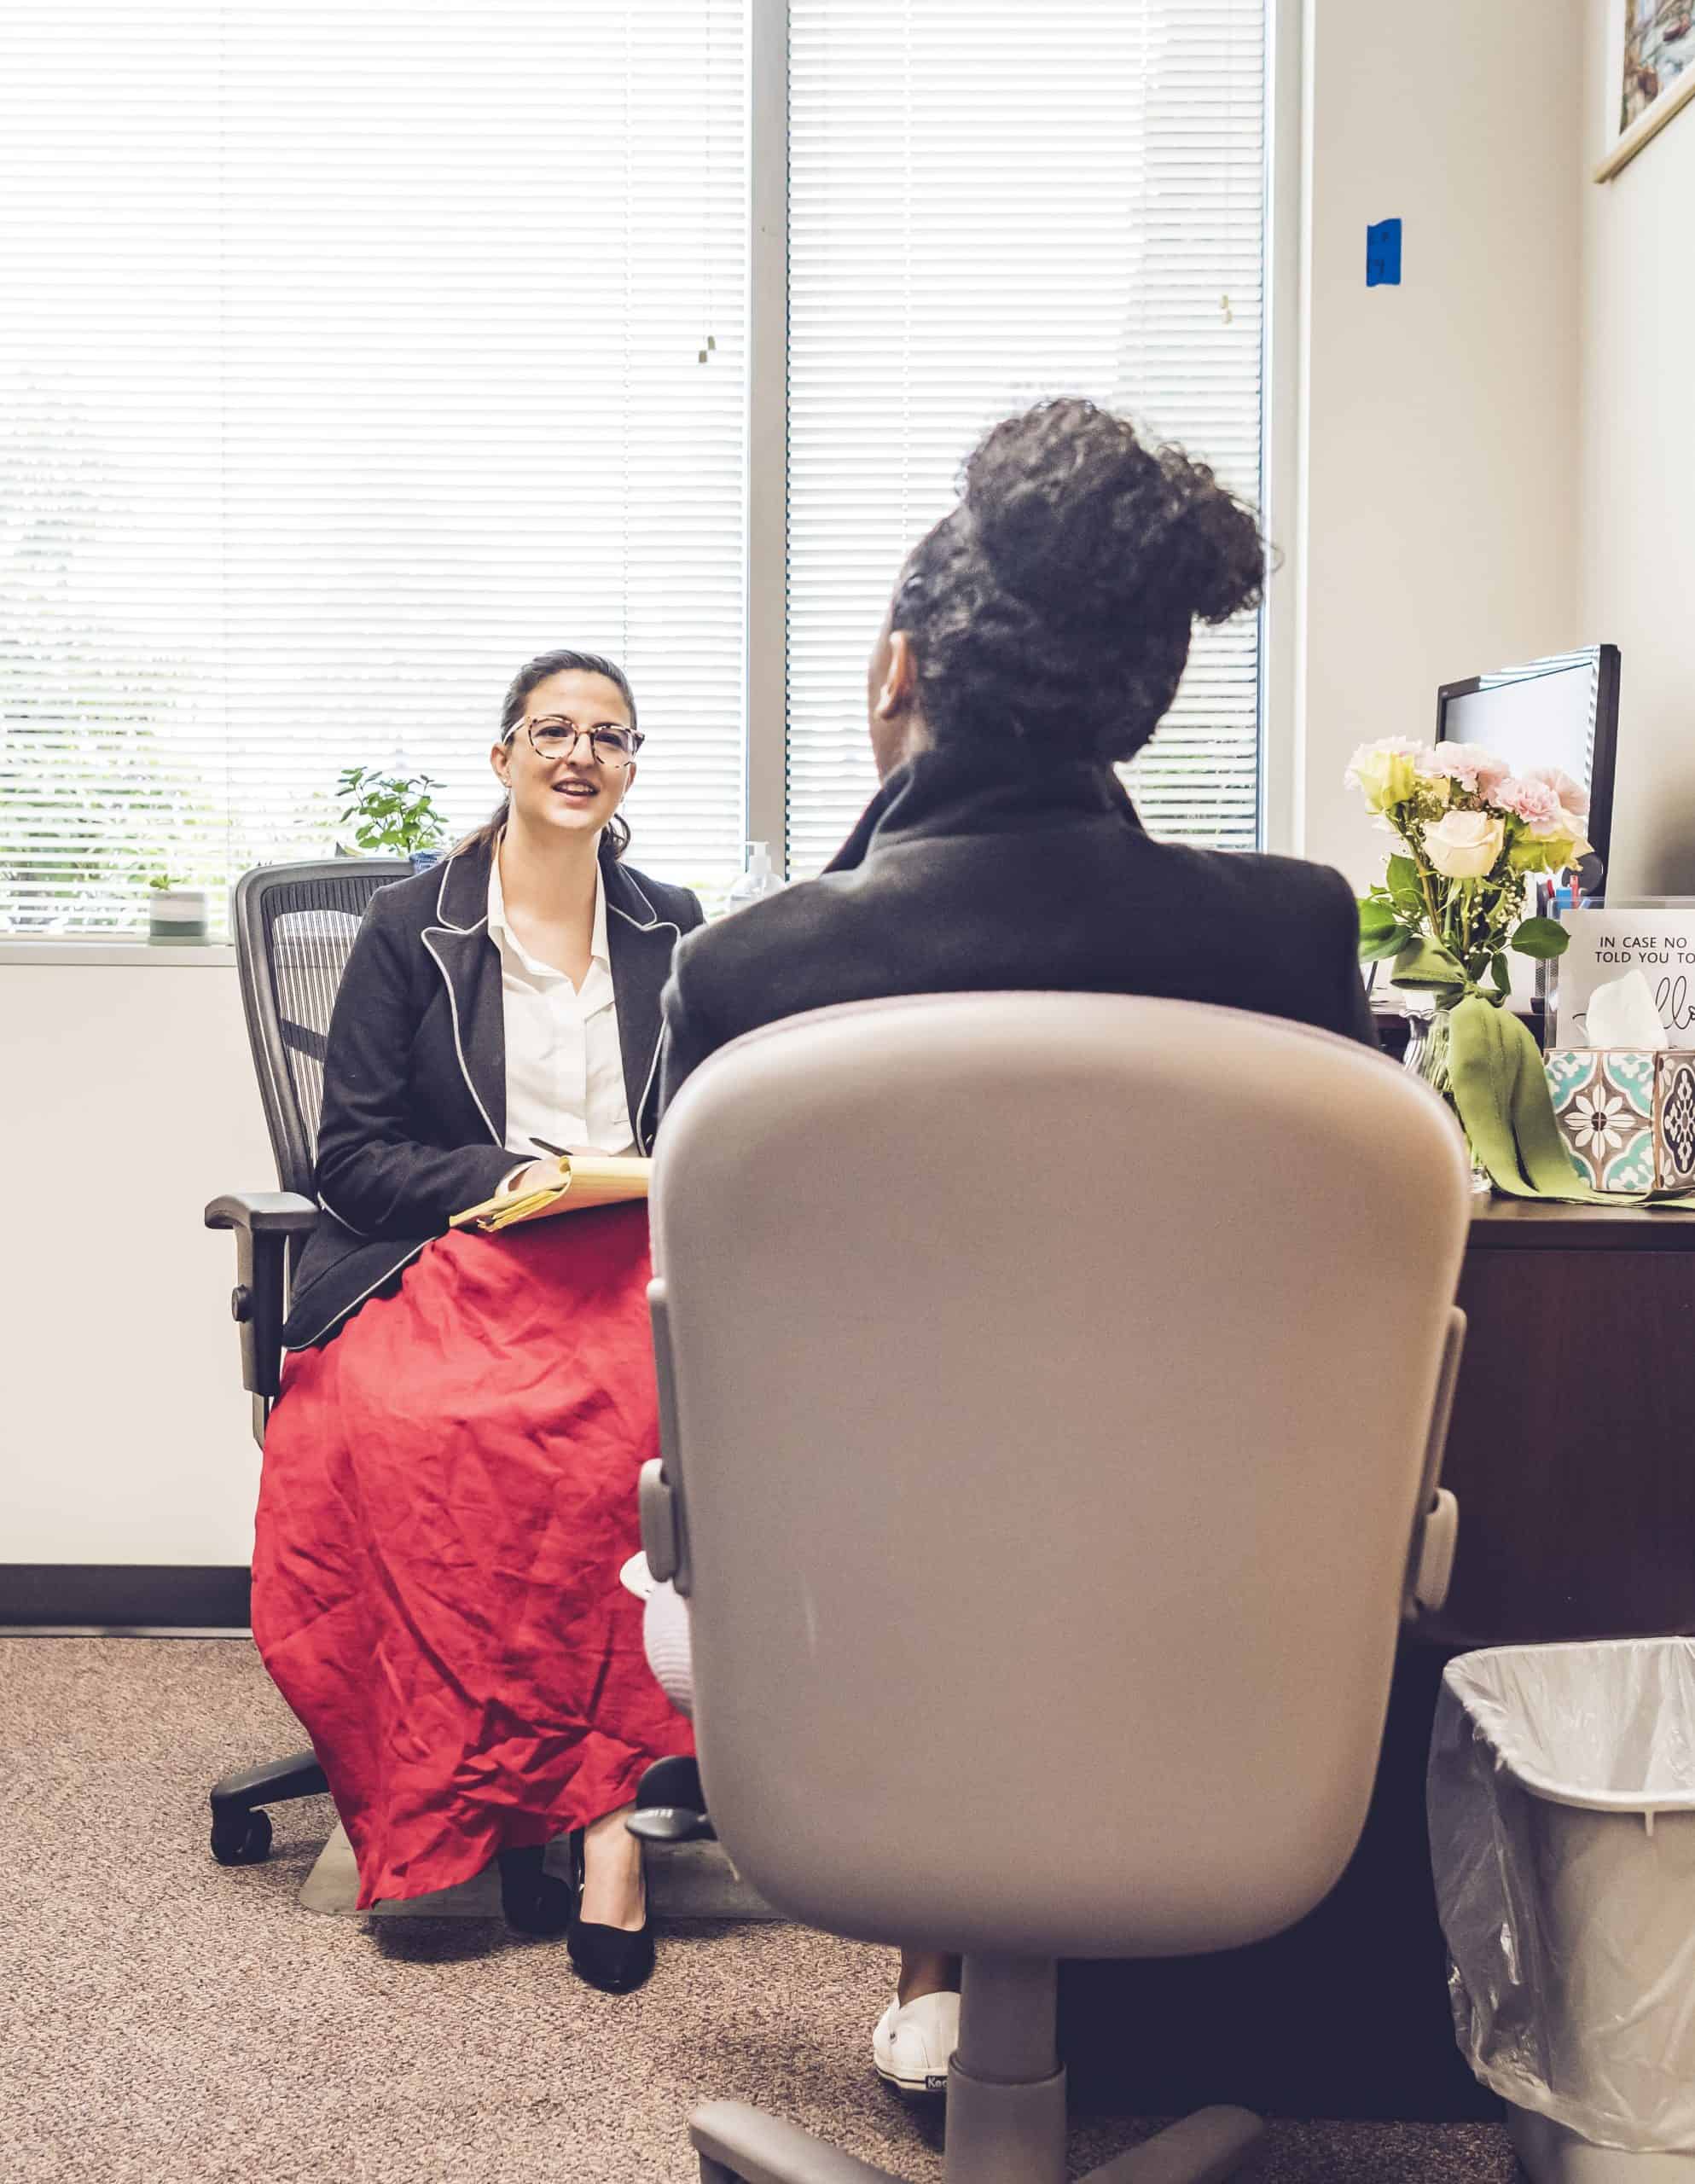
(1562, 1819)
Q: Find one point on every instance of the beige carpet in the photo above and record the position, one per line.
(165, 2021)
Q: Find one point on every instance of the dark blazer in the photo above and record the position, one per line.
(972, 871)
(414, 1075)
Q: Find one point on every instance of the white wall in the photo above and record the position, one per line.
(1636, 559)
(1442, 416)
(127, 1100)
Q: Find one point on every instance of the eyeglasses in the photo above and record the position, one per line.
(553, 737)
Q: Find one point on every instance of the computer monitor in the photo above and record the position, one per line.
(1560, 712)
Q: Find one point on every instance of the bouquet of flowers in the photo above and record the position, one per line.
(1471, 835)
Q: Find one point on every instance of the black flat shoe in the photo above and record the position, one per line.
(617, 1960)
(535, 1902)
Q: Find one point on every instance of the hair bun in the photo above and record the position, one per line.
(1074, 514)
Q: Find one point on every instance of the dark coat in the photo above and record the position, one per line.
(971, 872)
(414, 1075)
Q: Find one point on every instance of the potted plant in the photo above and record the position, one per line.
(393, 811)
(175, 912)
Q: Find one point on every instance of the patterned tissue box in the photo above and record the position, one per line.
(1627, 1115)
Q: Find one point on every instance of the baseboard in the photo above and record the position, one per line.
(123, 1596)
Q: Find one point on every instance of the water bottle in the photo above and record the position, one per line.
(757, 881)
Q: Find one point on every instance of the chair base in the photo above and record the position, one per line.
(241, 1833)
(671, 1805)
(738, 2145)
(1006, 2110)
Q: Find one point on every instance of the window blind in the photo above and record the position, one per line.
(988, 204)
(350, 354)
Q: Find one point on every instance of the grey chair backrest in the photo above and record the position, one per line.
(295, 926)
(1048, 1383)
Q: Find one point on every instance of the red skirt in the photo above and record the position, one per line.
(448, 1495)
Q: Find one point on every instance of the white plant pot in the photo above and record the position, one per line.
(176, 917)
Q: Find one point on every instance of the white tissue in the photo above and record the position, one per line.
(1623, 1014)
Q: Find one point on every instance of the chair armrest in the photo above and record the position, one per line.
(1435, 1534)
(658, 1508)
(665, 1524)
(266, 1213)
(262, 1221)
(1438, 1538)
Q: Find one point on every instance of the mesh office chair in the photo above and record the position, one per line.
(1053, 1390)
(294, 928)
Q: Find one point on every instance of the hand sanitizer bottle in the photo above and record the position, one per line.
(759, 880)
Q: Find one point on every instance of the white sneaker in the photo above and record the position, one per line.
(913, 2043)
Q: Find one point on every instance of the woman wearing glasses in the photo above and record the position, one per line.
(450, 1475)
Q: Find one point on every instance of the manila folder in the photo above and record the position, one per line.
(591, 1179)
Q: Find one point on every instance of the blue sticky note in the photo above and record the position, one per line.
(1383, 254)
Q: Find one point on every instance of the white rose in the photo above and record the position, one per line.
(1464, 844)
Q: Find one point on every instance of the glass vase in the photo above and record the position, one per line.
(1427, 1041)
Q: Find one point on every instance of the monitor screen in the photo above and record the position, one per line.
(1560, 712)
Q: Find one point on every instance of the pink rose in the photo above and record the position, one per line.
(1572, 794)
(1470, 765)
(1535, 803)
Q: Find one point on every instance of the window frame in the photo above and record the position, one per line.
(765, 620)
(1283, 431)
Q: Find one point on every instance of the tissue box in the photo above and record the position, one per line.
(1627, 1115)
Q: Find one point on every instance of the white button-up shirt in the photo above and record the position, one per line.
(564, 1068)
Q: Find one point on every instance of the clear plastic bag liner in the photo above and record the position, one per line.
(1562, 1819)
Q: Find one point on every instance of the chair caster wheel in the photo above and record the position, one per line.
(241, 1839)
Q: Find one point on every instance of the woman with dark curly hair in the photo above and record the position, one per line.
(1036, 639)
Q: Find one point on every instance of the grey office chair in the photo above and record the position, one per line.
(1054, 1389)
(295, 926)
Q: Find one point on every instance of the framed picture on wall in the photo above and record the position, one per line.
(1649, 74)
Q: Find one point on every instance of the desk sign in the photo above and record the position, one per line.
(1607, 943)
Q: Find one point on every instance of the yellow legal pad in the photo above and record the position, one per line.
(591, 1179)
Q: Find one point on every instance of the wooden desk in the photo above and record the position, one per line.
(1572, 1448)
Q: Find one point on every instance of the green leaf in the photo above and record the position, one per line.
(1402, 879)
(1377, 917)
(1540, 936)
(1381, 932)
(1500, 972)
